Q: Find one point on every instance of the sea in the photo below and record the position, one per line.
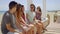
(2, 12)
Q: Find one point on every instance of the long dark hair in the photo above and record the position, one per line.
(18, 10)
(33, 6)
(39, 8)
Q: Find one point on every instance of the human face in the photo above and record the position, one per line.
(37, 9)
(13, 9)
(23, 9)
(32, 8)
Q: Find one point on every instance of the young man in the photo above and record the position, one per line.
(7, 24)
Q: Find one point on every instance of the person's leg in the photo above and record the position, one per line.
(31, 31)
(39, 28)
(43, 26)
(21, 33)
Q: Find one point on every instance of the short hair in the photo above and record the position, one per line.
(33, 6)
(12, 4)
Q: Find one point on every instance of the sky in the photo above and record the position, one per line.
(50, 4)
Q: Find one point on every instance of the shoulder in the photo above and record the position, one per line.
(6, 14)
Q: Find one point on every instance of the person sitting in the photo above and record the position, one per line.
(38, 13)
(30, 15)
(20, 22)
(7, 25)
(38, 16)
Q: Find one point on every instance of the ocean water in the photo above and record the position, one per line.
(2, 12)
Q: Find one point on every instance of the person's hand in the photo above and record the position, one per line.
(24, 24)
(27, 25)
(20, 33)
(39, 21)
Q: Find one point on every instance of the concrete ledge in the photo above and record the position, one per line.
(45, 21)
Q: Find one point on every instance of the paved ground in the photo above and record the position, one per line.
(53, 28)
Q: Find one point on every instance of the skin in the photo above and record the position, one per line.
(23, 9)
(32, 8)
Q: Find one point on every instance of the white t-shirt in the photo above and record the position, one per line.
(31, 15)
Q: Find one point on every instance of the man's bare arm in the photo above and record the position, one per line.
(10, 28)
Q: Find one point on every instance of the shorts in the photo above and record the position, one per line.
(18, 31)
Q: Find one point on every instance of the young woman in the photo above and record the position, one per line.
(32, 20)
(23, 13)
(21, 24)
(38, 16)
(24, 17)
(38, 13)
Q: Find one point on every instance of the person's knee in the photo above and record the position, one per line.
(31, 25)
(39, 24)
(20, 33)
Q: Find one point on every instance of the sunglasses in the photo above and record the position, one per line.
(31, 7)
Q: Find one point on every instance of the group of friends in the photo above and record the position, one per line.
(16, 20)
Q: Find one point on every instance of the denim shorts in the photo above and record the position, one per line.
(15, 32)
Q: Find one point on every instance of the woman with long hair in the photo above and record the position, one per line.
(38, 16)
(21, 24)
(38, 13)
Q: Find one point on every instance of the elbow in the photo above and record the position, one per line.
(9, 28)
